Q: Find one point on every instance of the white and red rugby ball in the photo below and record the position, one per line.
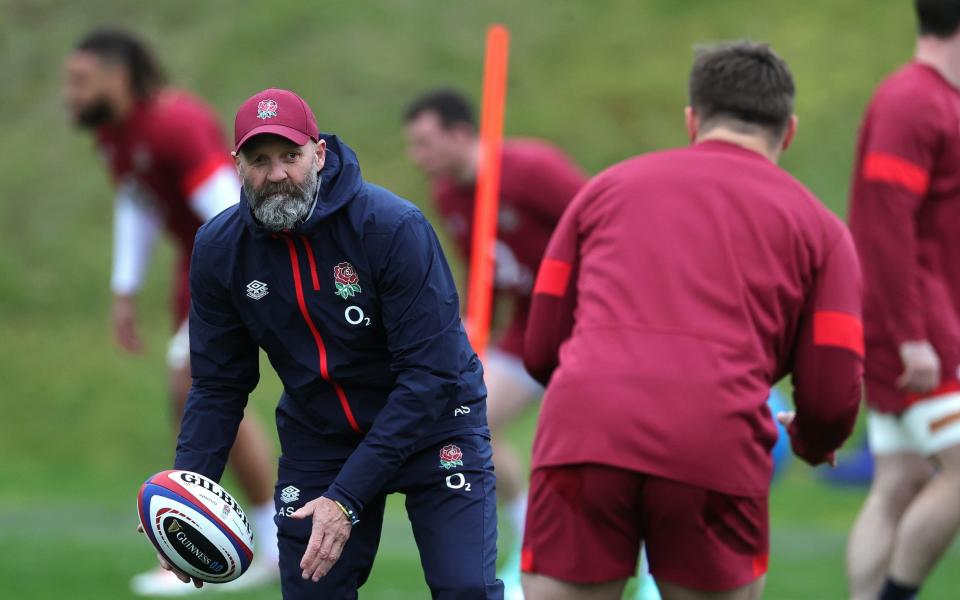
(196, 525)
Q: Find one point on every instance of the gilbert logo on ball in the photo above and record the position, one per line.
(267, 109)
(196, 525)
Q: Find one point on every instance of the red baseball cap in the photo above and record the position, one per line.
(276, 111)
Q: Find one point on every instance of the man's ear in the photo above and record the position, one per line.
(320, 156)
(118, 79)
(236, 160)
(791, 132)
(463, 131)
(692, 123)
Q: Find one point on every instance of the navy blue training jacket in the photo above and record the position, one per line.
(359, 315)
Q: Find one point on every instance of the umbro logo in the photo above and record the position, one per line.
(257, 289)
(289, 494)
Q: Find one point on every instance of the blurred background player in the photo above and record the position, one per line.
(537, 183)
(904, 215)
(173, 171)
(699, 277)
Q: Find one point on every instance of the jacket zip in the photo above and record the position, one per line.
(317, 339)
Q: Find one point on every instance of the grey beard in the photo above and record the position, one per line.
(285, 205)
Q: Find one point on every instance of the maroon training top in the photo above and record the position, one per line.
(678, 287)
(905, 220)
(537, 182)
(167, 147)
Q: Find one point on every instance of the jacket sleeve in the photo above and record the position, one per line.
(893, 178)
(421, 315)
(554, 299)
(225, 369)
(828, 357)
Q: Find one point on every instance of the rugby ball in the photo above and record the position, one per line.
(196, 525)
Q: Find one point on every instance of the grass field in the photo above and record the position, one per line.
(83, 424)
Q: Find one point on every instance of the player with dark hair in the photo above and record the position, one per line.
(537, 183)
(172, 170)
(450, 107)
(904, 211)
(677, 289)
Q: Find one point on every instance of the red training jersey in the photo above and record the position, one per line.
(904, 216)
(537, 182)
(168, 145)
(678, 287)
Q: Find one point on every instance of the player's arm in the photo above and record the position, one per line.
(894, 177)
(213, 189)
(198, 159)
(421, 316)
(224, 365)
(554, 300)
(828, 357)
(135, 227)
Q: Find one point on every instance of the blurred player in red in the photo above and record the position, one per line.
(905, 220)
(537, 183)
(173, 171)
(678, 287)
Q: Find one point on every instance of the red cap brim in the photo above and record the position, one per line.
(297, 137)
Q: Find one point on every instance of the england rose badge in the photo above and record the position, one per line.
(267, 109)
(346, 280)
(451, 456)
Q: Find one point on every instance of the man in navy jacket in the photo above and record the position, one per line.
(346, 288)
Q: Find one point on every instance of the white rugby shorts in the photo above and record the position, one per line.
(927, 427)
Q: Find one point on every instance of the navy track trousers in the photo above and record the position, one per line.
(451, 506)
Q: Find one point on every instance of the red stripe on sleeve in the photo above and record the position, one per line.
(760, 564)
(887, 168)
(526, 560)
(553, 277)
(838, 329)
(201, 172)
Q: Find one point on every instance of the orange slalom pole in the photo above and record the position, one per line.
(480, 285)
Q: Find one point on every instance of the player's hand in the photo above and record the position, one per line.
(125, 329)
(168, 567)
(331, 530)
(786, 418)
(921, 367)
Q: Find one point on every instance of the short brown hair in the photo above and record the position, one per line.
(744, 84)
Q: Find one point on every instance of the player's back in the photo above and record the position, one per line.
(694, 268)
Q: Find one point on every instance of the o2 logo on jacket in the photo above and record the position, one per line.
(347, 284)
(355, 316)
